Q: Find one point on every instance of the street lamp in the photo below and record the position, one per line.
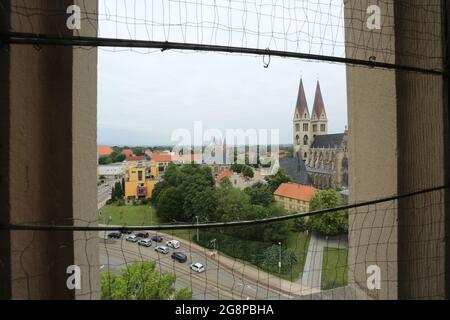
(197, 229)
(214, 244)
(279, 259)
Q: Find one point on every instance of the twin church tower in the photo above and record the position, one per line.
(307, 126)
(325, 156)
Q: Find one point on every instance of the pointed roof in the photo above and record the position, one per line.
(319, 106)
(302, 105)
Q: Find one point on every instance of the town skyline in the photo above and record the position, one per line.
(253, 97)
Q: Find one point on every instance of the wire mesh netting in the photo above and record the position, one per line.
(332, 30)
(269, 258)
(275, 258)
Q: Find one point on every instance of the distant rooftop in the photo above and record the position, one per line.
(328, 140)
(104, 150)
(295, 191)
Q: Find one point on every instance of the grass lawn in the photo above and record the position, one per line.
(299, 243)
(129, 215)
(334, 268)
(142, 215)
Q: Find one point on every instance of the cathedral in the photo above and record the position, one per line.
(325, 155)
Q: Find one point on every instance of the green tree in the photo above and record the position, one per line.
(117, 156)
(274, 181)
(118, 191)
(195, 185)
(225, 183)
(237, 167)
(104, 160)
(172, 175)
(138, 151)
(194, 190)
(141, 281)
(271, 257)
(204, 205)
(300, 225)
(170, 204)
(328, 224)
(232, 204)
(260, 194)
(113, 194)
(159, 187)
(248, 172)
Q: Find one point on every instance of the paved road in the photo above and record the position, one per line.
(215, 283)
(104, 192)
(312, 271)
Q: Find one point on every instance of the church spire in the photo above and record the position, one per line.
(319, 107)
(301, 105)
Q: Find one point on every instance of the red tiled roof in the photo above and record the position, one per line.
(135, 158)
(295, 191)
(104, 150)
(158, 157)
(188, 158)
(127, 152)
(224, 174)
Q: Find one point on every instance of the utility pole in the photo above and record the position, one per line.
(279, 259)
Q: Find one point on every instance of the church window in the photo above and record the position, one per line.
(305, 140)
(305, 127)
(298, 139)
(322, 128)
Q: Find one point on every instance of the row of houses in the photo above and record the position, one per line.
(141, 173)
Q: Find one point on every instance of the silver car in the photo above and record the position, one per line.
(145, 242)
(131, 238)
(162, 249)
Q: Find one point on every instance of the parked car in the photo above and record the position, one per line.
(131, 238)
(197, 267)
(162, 249)
(114, 235)
(143, 235)
(145, 242)
(173, 244)
(179, 256)
(157, 238)
(127, 232)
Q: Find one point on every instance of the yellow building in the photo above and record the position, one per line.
(294, 197)
(140, 181)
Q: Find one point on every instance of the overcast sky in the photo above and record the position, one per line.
(144, 97)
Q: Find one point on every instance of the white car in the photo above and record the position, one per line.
(173, 244)
(131, 238)
(197, 267)
(162, 249)
(145, 242)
